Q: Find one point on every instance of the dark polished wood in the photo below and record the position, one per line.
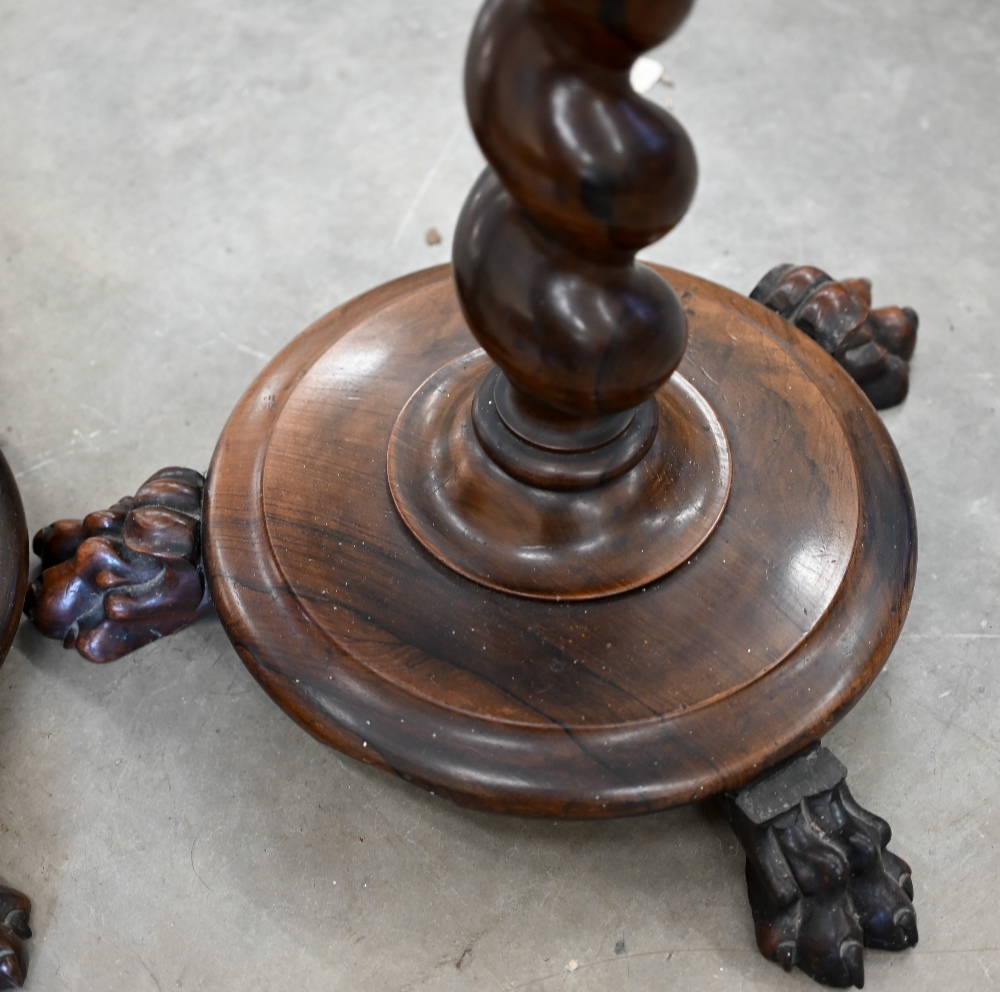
(688, 687)
(15, 907)
(123, 577)
(821, 882)
(15, 910)
(13, 557)
(583, 173)
(644, 543)
(873, 346)
(580, 177)
(491, 527)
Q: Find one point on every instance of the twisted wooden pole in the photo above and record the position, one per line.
(583, 173)
(580, 471)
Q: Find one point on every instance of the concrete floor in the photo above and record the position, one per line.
(185, 185)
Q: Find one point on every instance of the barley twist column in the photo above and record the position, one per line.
(582, 175)
(572, 467)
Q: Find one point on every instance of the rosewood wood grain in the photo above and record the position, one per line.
(688, 687)
(820, 880)
(873, 346)
(123, 577)
(15, 907)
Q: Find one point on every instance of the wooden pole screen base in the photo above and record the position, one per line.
(553, 532)
(684, 688)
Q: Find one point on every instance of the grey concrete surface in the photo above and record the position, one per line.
(183, 187)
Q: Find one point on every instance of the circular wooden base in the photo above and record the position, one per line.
(685, 687)
(552, 544)
(13, 557)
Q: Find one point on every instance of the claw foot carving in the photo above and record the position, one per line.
(123, 577)
(15, 908)
(873, 346)
(820, 881)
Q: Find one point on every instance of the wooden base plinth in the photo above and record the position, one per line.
(685, 687)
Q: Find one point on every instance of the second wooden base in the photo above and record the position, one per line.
(13, 557)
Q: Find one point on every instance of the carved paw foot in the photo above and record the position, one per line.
(124, 576)
(820, 880)
(15, 908)
(873, 346)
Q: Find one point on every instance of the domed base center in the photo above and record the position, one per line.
(557, 543)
